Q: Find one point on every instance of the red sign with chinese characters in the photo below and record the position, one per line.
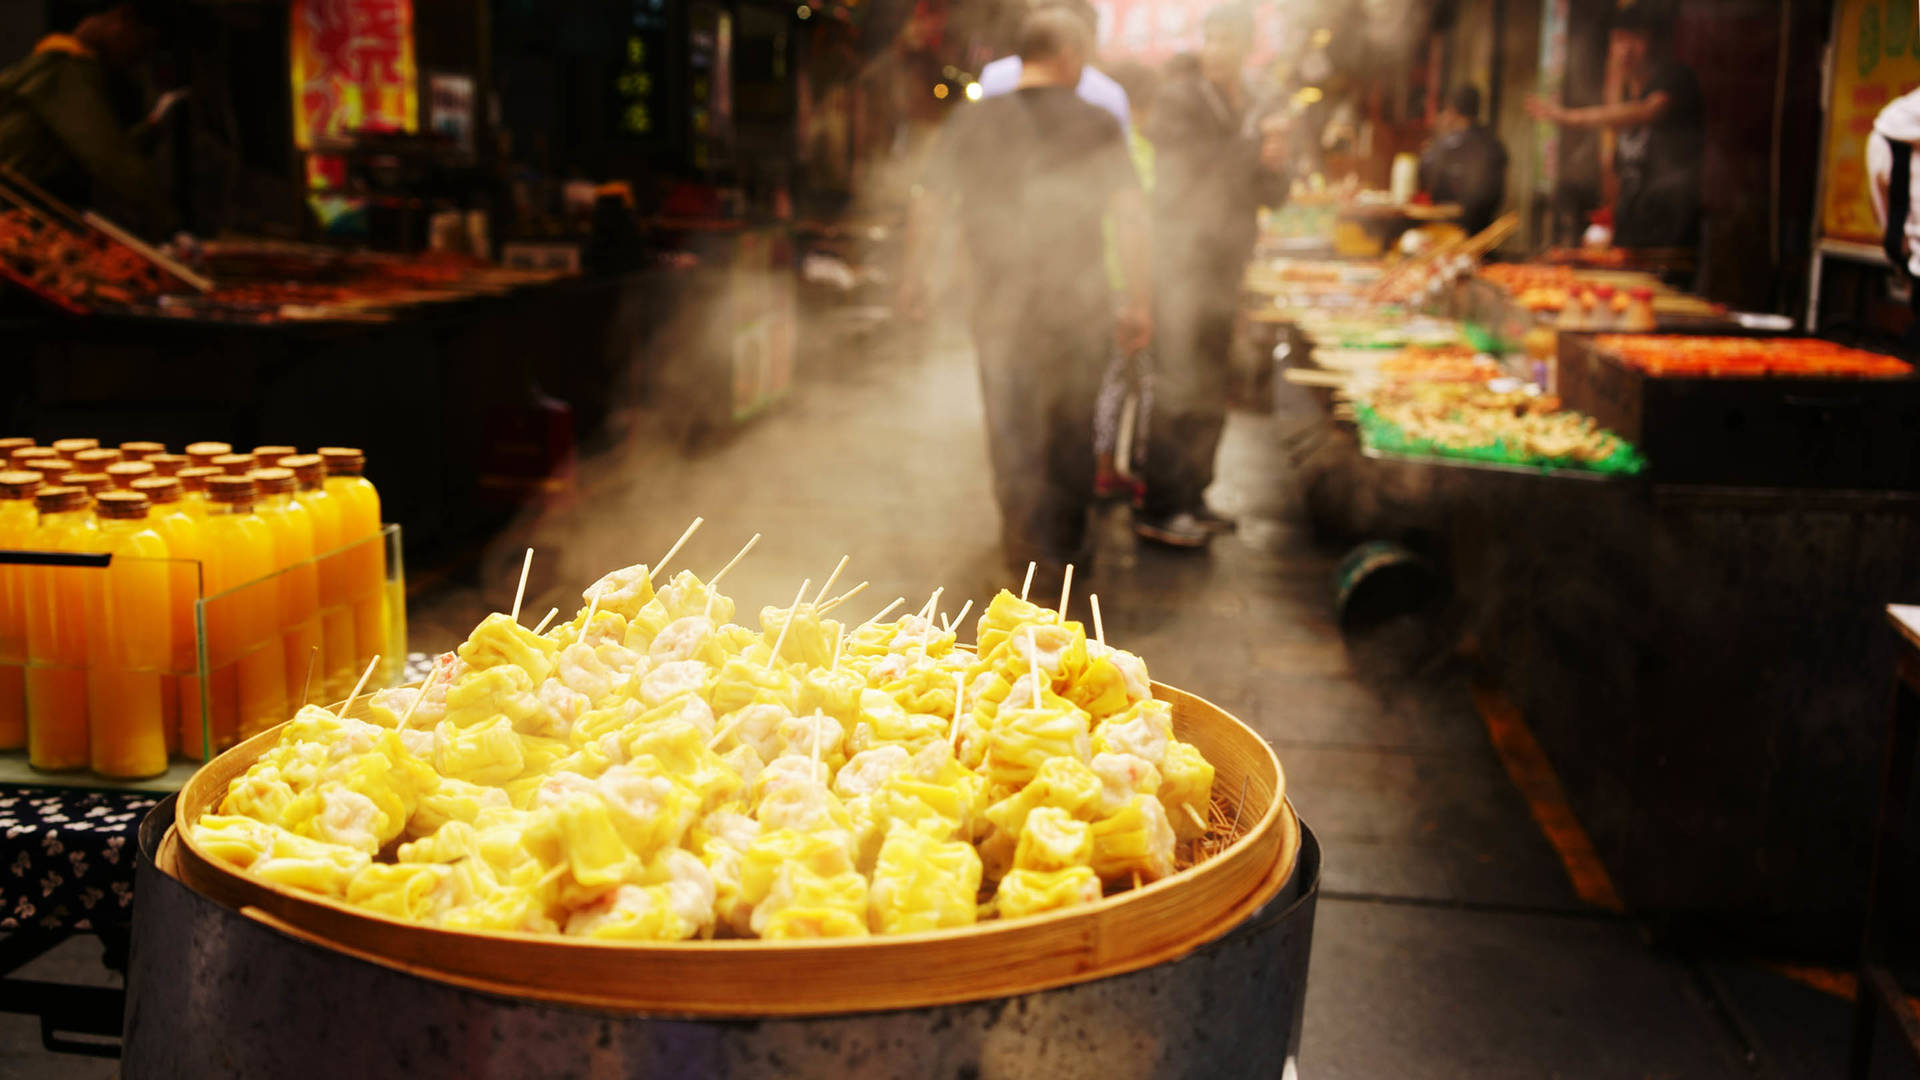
(352, 68)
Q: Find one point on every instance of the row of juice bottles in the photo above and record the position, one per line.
(274, 563)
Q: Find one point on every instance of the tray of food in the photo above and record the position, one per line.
(1494, 426)
(649, 806)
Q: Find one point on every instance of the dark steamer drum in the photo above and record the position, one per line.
(213, 993)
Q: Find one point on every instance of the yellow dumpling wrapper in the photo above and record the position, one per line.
(937, 809)
(503, 690)
(614, 715)
(923, 883)
(485, 753)
(452, 800)
(924, 689)
(1053, 839)
(1100, 689)
(609, 627)
(1144, 730)
(259, 793)
(1138, 838)
(687, 595)
(832, 693)
(679, 750)
(1021, 740)
(645, 625)
(772, 850)
(632, 913)
(741, 683)
(508, 907)
(623, 592)
(887, 724)
(1031, 892)
(817, 906)
(577, 837)
(1004, 614)
(498, 640)
(809, 642)
(651, 809)
(1186, 779)
(1061, 649)
(1064, 782)
(281, 857)
(402, 890)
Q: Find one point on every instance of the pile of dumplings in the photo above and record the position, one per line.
(651, 771)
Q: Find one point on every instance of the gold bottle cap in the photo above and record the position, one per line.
(121, 505)
(234, 464)
(343, 460)
(18, 442)
(309, 469)
(195, 477)
(140, 451)
(159, 490)
(59, 500)
(70, 447)
(96, 460)
(27, 453)
(230, 490)
(124, 473)
(204, 452)
(20, 484)
(270, 454)
(275, 481)
(93, 482)
(168, 464)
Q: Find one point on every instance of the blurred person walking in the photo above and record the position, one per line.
(1217, 159)
(1465, 163)
(1034, 175)
(1129, 377)
(1094, 86)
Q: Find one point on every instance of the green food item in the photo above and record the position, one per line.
(1383, 434)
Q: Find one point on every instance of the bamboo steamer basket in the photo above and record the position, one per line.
(732, 978)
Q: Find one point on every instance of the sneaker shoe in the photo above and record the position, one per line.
(1111, 485)
(1217, 524)
(1178, 530)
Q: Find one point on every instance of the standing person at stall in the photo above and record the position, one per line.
(1465, 163)
(1129, 375)
(1659, 131)
(1217, 159)
(1034, 174)
(1893, 186)
(58, 127)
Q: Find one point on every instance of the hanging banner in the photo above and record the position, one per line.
(352, 68)
(1876, 58)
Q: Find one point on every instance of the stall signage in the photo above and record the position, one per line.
(1876, 58)
(353, 68)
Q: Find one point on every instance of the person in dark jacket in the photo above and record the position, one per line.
(1218, 159)
(58, 127)
(1465, 163)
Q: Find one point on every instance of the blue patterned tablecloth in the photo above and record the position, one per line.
(68, 856)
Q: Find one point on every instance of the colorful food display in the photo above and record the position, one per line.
(78, 270)
(651, 771)
(1714, 357)
(1498, 427)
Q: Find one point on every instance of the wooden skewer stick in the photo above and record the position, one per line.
(541, 626)
(675, 549)
(926, 632)
(722, 733)
(306, 688)
(422, 695)
(1033, 666)
(960, 618)
(816, 740)
(839, 639)
(1194, 815)
(147, 252)
(593, 605)
(1028, 582)
(1099, 628)
(1136, 880)
(715, 579)
(883, 612)
(520, 593)
(793, 615)
(843, 598)
(831, 578)
(347, 706)
(959, 707)
(1066, 587)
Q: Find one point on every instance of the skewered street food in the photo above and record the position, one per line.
(650, 771)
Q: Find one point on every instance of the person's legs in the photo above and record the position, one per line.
(1190, 394)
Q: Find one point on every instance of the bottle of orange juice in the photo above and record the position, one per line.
(141, 451)
(70, 447)
(365, 559)
(193, 488)
(57, 632)
(292, 528)
(181, 687)
(124, 473)
(128, 649)
(17, 520)
(203, 453)
(336, 610)
(247, 669)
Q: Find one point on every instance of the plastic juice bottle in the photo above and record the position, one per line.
(128, 650)
(141, 451)
(203, 453)
(17, 520)
(1639, 316)
(181, 686)
(124, 473)
(69, 447)
(365, 560)
(336, 612)
(193, 489)
(57, 632)
(168, 464)
(247, 669)
(234, 464)
(300, 634)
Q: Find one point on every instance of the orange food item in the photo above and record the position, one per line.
(1711, 357)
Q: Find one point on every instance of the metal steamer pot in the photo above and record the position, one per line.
(213, 992)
